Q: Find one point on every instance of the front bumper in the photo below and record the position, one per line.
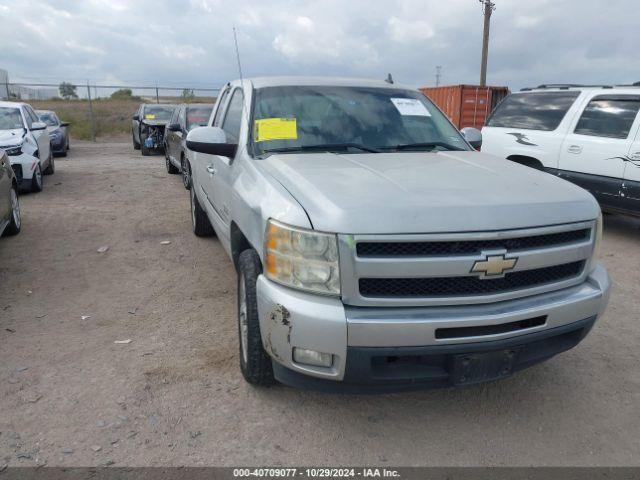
(384, 348)
(23, 166)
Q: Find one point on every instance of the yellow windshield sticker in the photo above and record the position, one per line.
(150, 116)
(275, 129)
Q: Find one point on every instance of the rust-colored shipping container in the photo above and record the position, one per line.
(466, 105)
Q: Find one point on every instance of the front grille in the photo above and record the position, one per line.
(468, 247)
(468, 285)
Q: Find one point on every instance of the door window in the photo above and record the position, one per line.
(218, 116)
(533, 111)
(609, 116)
(233, 118)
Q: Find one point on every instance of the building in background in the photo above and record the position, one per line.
(17, 92)
(466, 105)
(4, 84)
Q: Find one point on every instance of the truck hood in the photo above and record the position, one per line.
(11, 138)
(425, 192)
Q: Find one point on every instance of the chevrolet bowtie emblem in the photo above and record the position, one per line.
(493, 266)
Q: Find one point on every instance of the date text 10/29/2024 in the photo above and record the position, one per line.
(320, 472)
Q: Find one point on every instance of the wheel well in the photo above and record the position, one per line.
(239, 243)
(527, 161)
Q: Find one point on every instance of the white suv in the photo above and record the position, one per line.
(26, 141)
(587, 135)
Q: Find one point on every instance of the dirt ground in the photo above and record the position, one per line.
(174, 395)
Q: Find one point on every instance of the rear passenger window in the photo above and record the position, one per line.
(232, 120)
(533, 111)
(609, 116)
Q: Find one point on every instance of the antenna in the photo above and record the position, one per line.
(235, 39)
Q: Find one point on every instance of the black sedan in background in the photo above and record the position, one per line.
(186, 117)
(58, 131)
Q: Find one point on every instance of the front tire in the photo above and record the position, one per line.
(171, 169)
(186, 173)
(199, 220)
(51, 167)
(16, 221)
(255, 363)
(36, 179)
(136, 145)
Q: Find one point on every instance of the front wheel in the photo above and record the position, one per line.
(136, 145)
(16, 221)
(186, 174)
(36, 179)
(170, 166)
(51, 167)
(255, 363)
(199, 220)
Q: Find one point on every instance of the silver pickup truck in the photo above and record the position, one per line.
(376, 250)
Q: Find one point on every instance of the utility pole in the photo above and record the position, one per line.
(93, 121)
(488, 7)
(438, 74)
(157, 97)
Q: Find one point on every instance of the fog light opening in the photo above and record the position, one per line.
(311, 357)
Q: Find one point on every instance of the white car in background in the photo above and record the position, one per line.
(589, 135)
(26, 141)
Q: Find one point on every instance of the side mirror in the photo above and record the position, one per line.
(136, 118)
(473, 136)
(211, 140)
(38, 126)
(174, 127)
(64, 124)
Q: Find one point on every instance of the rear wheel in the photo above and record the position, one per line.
(36, 179)
(199, 220)
(255, 363)
(16, 221)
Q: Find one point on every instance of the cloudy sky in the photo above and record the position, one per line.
(191, 42)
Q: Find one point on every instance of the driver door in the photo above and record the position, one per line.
(41, 136)
(219, 168)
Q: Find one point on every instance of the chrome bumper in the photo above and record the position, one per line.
(290, 318)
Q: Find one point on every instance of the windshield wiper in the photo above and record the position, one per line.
(324, 146)
(430, 145)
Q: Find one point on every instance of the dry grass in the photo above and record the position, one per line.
(112, 117)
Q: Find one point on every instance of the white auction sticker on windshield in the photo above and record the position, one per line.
(411, 106)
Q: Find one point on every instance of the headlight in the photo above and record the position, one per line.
(55, 134)
(596, 244)
(17, 150)
(301, 258)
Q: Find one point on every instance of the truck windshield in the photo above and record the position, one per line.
(354, 119)
(10, 118)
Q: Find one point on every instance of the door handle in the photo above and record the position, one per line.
(211, 170)
(574, 149)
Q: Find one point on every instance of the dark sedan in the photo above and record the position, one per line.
(58, 131)
(148, 126)
(185, 117)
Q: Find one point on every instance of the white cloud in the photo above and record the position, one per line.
(409, 31)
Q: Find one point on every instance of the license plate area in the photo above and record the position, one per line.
(474, 368)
